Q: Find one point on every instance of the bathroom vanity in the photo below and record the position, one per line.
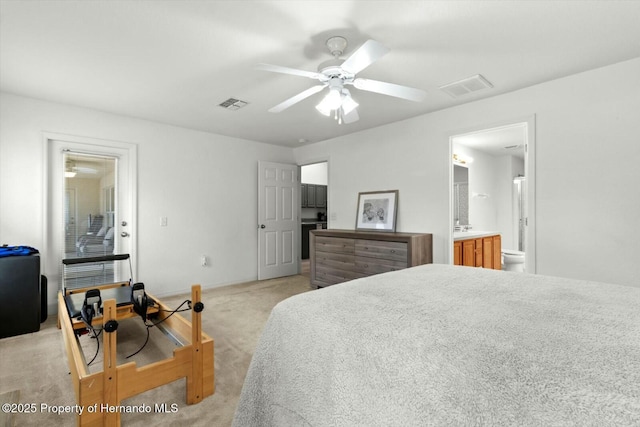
(477, 249)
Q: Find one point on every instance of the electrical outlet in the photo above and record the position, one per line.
(334, 216)
(203, 261)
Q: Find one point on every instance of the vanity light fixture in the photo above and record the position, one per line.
(462, 159)
(480, 195)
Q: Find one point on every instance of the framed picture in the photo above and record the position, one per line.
(377, 211)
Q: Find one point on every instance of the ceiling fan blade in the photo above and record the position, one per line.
(287, 70)
(366, 55)
(351, 117)
(390, 89)
(297, 98)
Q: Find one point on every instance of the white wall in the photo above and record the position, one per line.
(587, 199)
(587, 174)
(206, 185)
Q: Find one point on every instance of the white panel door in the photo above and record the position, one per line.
(277, 220)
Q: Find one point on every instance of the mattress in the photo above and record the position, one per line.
(449, 345)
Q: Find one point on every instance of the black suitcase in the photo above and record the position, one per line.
(20, 301)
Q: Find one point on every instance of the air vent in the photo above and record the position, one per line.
(233, 104)
(466, 86)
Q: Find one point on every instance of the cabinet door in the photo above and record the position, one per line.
(487, 251)
(321, 196)
(311, 196)
(479, 253)
(497, 252)
(469, 253)
(457, 253)
(303, 195)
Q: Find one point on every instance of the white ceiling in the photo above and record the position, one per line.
(175, 61)
(499, 141)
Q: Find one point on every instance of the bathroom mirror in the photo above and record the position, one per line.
(460, 195)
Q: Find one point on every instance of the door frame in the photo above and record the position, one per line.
(529, 172)
(53, 193)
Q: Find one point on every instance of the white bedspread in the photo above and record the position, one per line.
(443, 345)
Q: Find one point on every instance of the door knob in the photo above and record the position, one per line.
(124, 234)
(263, 226)
(124, 223)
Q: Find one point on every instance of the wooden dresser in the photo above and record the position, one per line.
(341, 255)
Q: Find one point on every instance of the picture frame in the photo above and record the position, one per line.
(377, 211)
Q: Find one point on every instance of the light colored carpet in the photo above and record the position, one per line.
(36, 364)
(6, 414)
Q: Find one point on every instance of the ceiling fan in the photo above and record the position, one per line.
(336, 74)
(72, 169)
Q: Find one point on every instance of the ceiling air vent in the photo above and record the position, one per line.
(233, 104)
(466, 86)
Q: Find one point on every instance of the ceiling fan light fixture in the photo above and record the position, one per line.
(348, 104)
(332, 101)
(324, 111)
(70, 169)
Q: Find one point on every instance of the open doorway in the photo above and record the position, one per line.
(314, 203)
(492, 189)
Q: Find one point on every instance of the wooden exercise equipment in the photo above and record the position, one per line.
(106, 389)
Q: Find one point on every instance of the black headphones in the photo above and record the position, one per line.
(139, 300)
(91, 306)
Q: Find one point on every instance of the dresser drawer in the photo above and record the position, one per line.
(370, 266)
(335, 260)
(330, 276)
(334, 245)
(394, 251)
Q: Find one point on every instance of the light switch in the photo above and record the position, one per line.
(163, 221)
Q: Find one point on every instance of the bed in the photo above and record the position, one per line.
(449, 345)
(101, 394)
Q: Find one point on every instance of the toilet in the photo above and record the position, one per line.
(512, 260)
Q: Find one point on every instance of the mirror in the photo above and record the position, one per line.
(460, 195)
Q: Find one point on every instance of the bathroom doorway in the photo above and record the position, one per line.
(496, 192)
